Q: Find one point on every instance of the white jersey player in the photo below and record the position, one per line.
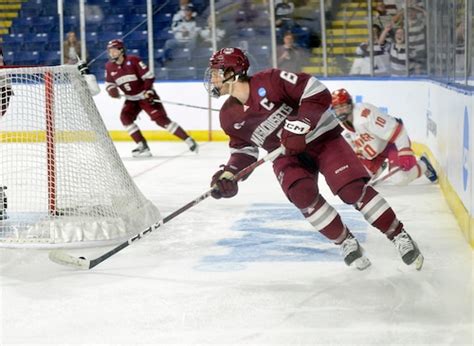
(377, 137)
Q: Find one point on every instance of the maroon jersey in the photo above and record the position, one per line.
(132, 77)
(274, 95)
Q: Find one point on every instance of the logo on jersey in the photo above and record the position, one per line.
(262, 92)
(113, 73)
(341, 169)
(129, 63)
(245, 108)
(238, 126)
(365, 113)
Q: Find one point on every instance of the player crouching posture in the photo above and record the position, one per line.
(274, 108)
(376, 137)
(130, 74)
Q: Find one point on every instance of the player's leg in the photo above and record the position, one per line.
(128, 115)
(351, 186)
(300, 186)
(158, 114)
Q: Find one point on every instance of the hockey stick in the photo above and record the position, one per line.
(385, 177)
(183, 104)
(186, 105)
(63, 258)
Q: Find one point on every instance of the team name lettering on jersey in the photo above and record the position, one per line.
(126, 79)
(270, 124)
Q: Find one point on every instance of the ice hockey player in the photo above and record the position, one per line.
(377, 137)
(132, 76)
(276, 107)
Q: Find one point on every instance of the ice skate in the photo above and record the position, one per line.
(193, 146)
(430, 171)
(353, 253)
(142, 150)
(408, 250)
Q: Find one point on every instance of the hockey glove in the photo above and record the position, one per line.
(293, 136)
(113, 92)
(224, 185)
(406, 159)
(83, 68)
(150, 96)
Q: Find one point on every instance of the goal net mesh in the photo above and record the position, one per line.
(62, 182)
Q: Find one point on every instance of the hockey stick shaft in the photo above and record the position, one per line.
(66, 259)
(385, 177)
(186, 105)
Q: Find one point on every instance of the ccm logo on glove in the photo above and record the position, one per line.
(297, 127)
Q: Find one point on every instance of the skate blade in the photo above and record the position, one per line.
(419, 262)
(362, 263)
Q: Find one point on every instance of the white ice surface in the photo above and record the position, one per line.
(247, 270)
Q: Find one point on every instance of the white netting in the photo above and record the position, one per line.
(65, 182)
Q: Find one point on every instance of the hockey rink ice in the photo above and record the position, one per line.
(245, 271)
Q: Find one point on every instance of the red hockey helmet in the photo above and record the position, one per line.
(342, 104)
(341, 97)
(117, 44)
(230, 58)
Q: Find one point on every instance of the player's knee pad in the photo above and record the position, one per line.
(302, 193)
(353, 192)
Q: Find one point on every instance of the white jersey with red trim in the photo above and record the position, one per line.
(374, 130)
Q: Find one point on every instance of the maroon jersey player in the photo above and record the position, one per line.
(274, 108)
(132, 76)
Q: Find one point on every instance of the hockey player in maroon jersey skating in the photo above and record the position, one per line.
(278, 108)
(132, 76)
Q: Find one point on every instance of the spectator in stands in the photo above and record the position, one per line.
(417, 39)
(180, 14)
(291, 58)
(72, 48)
(361, 64)
(397, 51)
(284, 15)
(185, 35)
(206, 33)
(381, 16)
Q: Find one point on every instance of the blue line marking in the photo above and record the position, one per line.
(278, 232)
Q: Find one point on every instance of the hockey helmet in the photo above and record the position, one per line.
(342, 104)
(225, 60)
(117, 44)
(230, 58)
(341, 97)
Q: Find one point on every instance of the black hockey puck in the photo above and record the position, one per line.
(82, 258)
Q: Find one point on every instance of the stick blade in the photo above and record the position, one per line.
(62, 258)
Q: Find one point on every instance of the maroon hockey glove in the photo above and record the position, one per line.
(150, 96)
(293, 136)
(406, 159)
(113, 92)
(225, 186)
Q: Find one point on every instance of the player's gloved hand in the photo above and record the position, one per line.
(113, 92)
(293, 136)
(406, 159)
(83, 68)
(150, 96)
(224, 184)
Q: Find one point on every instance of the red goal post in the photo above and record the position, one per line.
(66, 185)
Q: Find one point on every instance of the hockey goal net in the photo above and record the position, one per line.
(62, 182)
